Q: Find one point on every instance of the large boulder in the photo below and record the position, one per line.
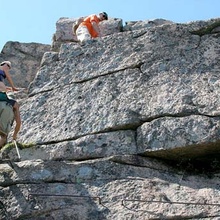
(25, 59)
(127, 127)
(64, 30)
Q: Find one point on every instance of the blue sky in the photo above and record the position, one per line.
(28, 21)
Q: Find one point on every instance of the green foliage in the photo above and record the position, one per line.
(206, 30)
(21, 146)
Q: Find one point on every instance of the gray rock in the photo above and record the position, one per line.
(64, 30)
(126, 127)
(25, 59)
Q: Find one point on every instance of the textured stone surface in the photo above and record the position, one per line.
(110, 85)
(64, 30)
(87, 147)
(172, 133)
(54, 190)
(126, 127)
(25, 59)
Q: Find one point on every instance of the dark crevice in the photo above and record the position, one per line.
(207, 165)
(134, 66)
(203, 158)
(137, 35)
(210, 29)
(77, 180)
(125, 127)
(44, 91)
(197, 166)
(140, 157)
(74, 160)
(206, 31)
(198, 43)
(34, 182)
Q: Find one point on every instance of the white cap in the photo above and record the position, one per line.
(6, 62)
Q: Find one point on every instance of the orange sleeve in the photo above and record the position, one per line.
(94, 18)
(88, 23)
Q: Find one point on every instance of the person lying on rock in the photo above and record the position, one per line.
(8, 105)
(89, 27)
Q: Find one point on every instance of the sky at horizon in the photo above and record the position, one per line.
(28, 21)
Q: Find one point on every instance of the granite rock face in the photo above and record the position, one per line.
(64, 30)
(126, 127)
(25, 59)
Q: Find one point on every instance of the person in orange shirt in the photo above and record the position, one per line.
(89, 28)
